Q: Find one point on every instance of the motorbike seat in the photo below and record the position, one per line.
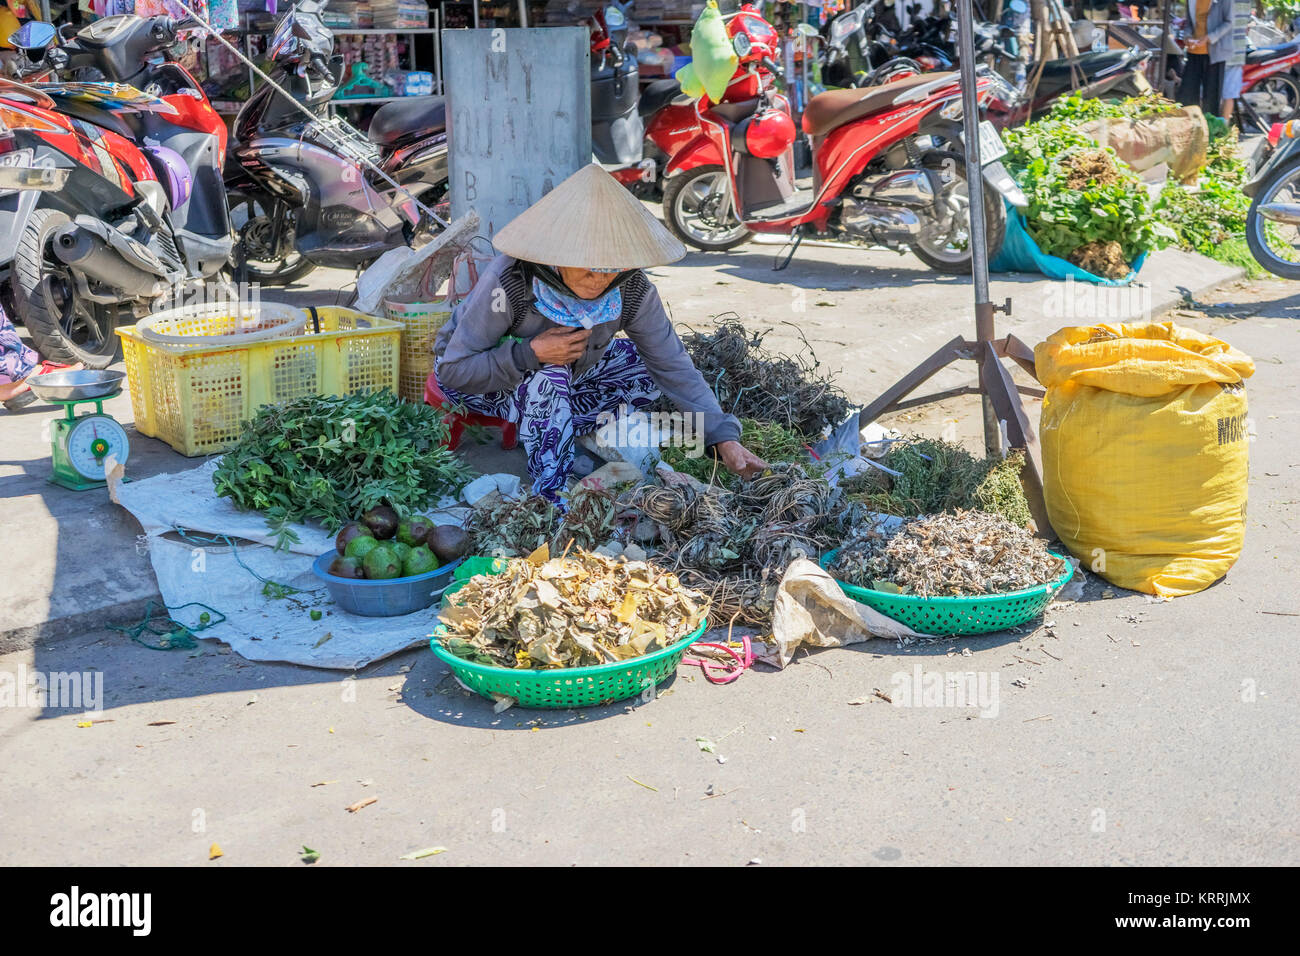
(407, 118)
(832, 109)
(657, 95)
(1089, 64)
(1265, 53)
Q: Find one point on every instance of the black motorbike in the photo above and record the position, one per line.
(304, 191)
(860, 50)
(1273, 222)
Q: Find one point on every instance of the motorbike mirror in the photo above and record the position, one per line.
(34, 35)
(614, 18)
(1018, 6)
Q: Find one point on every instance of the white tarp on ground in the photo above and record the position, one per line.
(257, 627)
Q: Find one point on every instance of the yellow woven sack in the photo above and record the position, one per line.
(1145, 452)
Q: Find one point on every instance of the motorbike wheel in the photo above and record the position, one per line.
(64, 326)
(947, 248)
(1282, 185)
(254, 218)
(691, 203)
(1274, 99)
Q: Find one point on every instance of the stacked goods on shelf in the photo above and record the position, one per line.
(340, 14)
(406, 14)
(381, 54)
(410, 82)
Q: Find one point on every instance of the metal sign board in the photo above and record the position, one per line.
(518, 116)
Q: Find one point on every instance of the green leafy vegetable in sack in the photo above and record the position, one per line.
(1085, 205)
(330, 459)
(1077, 109)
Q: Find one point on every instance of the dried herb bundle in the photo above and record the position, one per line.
(752, 382)
(939, 475)
(591, 520)
(506, 527)
(572, 611)
(736, 545)
(510, 528)
(947, 555)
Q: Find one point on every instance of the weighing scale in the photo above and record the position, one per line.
(80, 445)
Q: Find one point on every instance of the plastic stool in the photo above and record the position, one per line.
(456, 421)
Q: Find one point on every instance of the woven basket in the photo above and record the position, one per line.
(958, 615)
(557, 688)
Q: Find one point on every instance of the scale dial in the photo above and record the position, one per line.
(91, 440)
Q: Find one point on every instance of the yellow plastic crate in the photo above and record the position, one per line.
(195, 396)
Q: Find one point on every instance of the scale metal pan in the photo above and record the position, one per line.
(81, 385)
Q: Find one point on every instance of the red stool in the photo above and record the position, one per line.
(457, 421)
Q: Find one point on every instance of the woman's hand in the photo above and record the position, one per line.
(739, 459)
(559, 346)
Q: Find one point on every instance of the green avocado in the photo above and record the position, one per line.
(381, 563)
(360, 546)
(420, 561)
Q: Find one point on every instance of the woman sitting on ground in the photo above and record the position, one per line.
(534, 342)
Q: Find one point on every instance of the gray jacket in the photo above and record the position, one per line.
(471, 358)
(1218, 27)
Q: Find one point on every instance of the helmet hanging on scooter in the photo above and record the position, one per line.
(769, 133)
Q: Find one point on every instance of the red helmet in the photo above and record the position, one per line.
(769, 133)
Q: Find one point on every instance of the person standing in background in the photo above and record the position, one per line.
(1232, 73)
(1208, 41)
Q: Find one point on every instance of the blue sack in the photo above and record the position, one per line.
(1019, 253)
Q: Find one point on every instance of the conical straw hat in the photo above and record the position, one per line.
(589, 221)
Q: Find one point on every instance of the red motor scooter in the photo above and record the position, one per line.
(1270, 84)
(888, 167)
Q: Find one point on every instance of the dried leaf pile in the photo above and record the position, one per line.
(736, 545)
(752, 382)
(937, 475)
(964, 554)
(572, 611)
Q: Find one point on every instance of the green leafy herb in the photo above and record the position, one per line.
(1085, 205)
(330, 459)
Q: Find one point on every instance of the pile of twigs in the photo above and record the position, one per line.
(752, 382)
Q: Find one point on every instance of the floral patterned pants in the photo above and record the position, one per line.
(552, 407)
(16, 359)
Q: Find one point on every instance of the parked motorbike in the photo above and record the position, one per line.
(111, 194)
(1274, 191)
(885, 170)
(1270, 84)
(302, 190)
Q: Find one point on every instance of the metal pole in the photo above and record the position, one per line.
(979, 259)
(1163, 69)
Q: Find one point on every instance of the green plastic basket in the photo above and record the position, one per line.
(557, 688)
(958, 615)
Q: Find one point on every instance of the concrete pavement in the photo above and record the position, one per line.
(1123, 731)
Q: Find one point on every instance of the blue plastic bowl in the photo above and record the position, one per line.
(383, 598)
